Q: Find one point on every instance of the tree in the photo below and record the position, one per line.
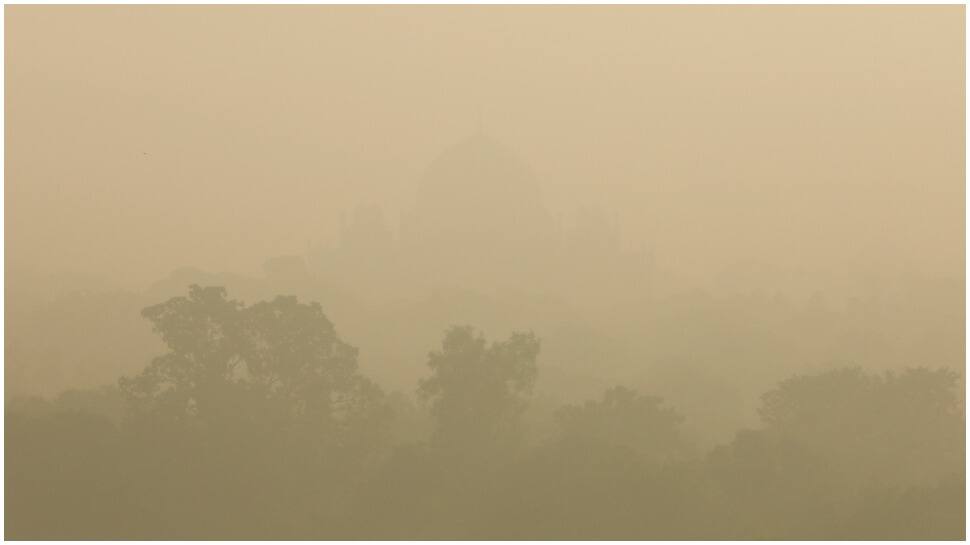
(769, 487)
(624, 418)
(276, 363)
(478, 391)
(904, 428)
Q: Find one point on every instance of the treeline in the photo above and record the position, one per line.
(257, 423)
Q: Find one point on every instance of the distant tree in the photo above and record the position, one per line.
(276, 363)
(477, 391)
(104, 401)
(905, 428)
(771, 487)
(624, 418)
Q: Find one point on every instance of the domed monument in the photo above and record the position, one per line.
(478, 222)
(478, 218)
(481, 194)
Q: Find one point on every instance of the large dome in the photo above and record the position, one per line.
(480, 189)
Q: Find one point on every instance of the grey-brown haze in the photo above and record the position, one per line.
(485, 272)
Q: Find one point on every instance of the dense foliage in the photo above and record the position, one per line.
(256, 422)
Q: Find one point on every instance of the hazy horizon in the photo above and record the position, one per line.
(818, 139)
(485, 272)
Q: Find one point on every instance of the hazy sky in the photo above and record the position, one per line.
(143, 138)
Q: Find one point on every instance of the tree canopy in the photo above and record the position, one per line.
(278, 359)
(477, 391)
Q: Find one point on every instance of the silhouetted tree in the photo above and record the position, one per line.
(256, 423)
(769, 487)
(280, 359)
(477, 390)
(259, 411)
(904, 428)
(624, 418)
